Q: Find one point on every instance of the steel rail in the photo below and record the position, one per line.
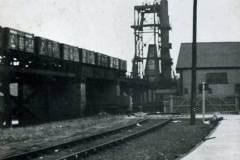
(94, 149)
(34, 153)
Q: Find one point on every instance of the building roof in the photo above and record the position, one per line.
(210, 55)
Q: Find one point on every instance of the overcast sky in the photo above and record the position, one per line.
(104, 25)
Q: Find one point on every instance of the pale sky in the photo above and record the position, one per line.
(104, 25)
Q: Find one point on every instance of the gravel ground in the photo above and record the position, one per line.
(167, 143)
(34, 137)
(99, 141)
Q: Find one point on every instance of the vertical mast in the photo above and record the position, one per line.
(166, 61)
(151, 30)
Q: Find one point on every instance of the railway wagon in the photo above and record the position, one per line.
(87, 56)
(44, 53)
(71, 58)
(15, 40)
(103, 60)
(48, 54)
(21, 46)
(94, 58)
(122, 65)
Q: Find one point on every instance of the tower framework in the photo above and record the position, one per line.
(151, 27)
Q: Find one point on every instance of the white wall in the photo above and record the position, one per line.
(233, 76)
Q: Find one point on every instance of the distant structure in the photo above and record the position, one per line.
(152, 59)
(152, 64)
(218, 64)
(152, 70)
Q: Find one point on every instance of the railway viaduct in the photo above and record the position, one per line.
(43, 94)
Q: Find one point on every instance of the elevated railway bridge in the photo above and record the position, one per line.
(43, 80)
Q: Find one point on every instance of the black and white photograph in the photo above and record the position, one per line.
(119, 79)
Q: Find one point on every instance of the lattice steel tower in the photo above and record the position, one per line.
(152, 59)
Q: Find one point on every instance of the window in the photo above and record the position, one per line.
(216, 78)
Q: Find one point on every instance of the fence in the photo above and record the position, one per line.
(179, 104)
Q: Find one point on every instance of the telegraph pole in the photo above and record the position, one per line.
(194, 65)
(203, 100)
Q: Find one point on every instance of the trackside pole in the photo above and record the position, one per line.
(203, 100)
(171, 104)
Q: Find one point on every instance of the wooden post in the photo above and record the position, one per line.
(194, 65)
(203, 101)
(171, 104)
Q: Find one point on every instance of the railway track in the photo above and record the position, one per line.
(34, 153)
(91, 144)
